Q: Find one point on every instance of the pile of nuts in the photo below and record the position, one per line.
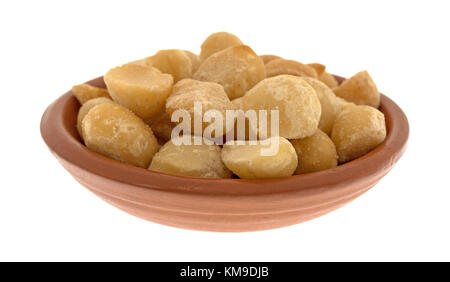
(318, 123)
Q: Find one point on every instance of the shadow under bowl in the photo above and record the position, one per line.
(231, 205)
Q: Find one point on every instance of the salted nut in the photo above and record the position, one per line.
(229, 113)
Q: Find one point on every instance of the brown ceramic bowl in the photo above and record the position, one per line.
(218, 204)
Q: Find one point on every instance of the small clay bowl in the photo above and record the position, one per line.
(218, 204)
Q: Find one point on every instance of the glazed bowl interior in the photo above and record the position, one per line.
(218, 204)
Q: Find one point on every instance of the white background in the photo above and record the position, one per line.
(46, 47)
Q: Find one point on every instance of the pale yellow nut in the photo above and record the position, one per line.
(328, 103)
(141, 89)
(209, 95)
(86, 92)
(359, 89)
(168, 61)
(236, 68)
(190, 160)
(296, 101)
(116, 132)
(217, 42)
(86, 107)
(173, 61)
(357, 130)
(251, 161)
(315, 153)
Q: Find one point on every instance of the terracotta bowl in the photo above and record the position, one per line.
(218, 204)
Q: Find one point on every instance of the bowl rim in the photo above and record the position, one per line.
(58, 129)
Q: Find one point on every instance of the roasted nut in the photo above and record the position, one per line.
(209, 95)
(176, 62)
(315, 153)
(217, 42)
(86, 107)
(296, 101)
(359, 89)
(237, 69)
(141, 89)
(328, 104)
(357, 130)
(115, 132)
(249, 160)
(190, 160)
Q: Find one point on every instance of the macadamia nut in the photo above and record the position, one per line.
(176, 62)
(357, 130)
(171, 112)
(217, 42)
(86, 107)
(116, 132)
(327, 102)
(201, 160)
(296, 101)
(258, 160)
(208, 95)
(237, 69)
(315, 153)
(359, 89)
(141, 89)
